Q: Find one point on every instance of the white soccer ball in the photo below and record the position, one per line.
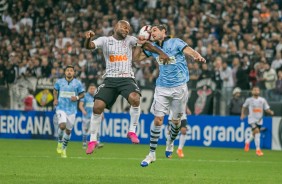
(145, 32)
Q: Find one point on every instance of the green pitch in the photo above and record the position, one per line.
(36, 161)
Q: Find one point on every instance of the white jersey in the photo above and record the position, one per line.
(256, 107)
(118, 55)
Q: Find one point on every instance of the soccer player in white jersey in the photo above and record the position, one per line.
(183, 129)
(171, 88)
(86, 107)
(67, 92)
(256, 106)
(117, 50)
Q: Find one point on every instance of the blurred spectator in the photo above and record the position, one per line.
(228, 83)
(236, 102)
(206, 73)
(277, 62)
(30, 103)
(269, 77)
(276, 94)
(9, 72)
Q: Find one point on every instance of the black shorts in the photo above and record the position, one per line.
(254, 126)
(183, 123)
(112, 87)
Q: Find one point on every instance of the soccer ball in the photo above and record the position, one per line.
(145, 32)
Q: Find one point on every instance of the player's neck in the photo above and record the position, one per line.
(69, 79)
(117, 37)
(255, 96)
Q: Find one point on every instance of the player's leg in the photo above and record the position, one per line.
(256, 132)
(178, 104)
(182, 137)
(251, 138)
(159, 108)
(67, 134)
(85, 131)
(105, 97)
(131, 92)
(62, 119)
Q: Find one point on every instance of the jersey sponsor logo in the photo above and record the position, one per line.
(117, 58)
(66, 94)
(89, 104)
(257, 110)
(172, 60)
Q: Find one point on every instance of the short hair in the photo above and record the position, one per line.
(255, 87)
(161, 27)
(91, 84)
(69, 66)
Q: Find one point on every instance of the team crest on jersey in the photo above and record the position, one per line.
(111, 42)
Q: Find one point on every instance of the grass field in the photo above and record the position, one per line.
(35, 161)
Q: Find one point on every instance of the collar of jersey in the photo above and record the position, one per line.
(165, 39)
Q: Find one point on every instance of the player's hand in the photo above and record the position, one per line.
(73, 98)
(141, 40)
(55, 102)
(271, 112)
(84, 113)
(242, 117)
(89, 34)
(200, 59)
(163, 57)
(188, 111)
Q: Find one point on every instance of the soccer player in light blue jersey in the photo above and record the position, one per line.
(67, 92)
(86, 106)
(170, 86)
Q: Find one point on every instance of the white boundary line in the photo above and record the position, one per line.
(161, 159)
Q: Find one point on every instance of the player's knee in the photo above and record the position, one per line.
(99, 107)
(158, 121)
(62, 126)
(134, 99)
(68, 132)
(183, 131)
(256, 130)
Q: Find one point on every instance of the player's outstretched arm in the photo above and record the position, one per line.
(88, 44)
(191, 52)
(163, 56)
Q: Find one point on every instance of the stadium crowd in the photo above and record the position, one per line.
(241, 40)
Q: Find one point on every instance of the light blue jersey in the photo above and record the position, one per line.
(88, 103)
(65, 91)
(175, 73)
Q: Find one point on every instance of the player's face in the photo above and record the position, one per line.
(92, 90)
(69, 73)
(122, 29)
(255, 91)
(157, 34)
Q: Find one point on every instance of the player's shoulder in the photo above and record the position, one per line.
(60, 80)
(261, 98)
(130, 37)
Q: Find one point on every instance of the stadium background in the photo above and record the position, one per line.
(241, 41)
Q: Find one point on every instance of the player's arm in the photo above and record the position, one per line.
(269, 111)
(243, 113)
(81, 107)
(163, 56)
(55, 94)
(138, 54)
(78, 97)
(88, 44)
(191, 52)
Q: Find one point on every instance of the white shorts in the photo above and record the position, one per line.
(184, 115)
(66, 118)
(85, 125)
(173, 99)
